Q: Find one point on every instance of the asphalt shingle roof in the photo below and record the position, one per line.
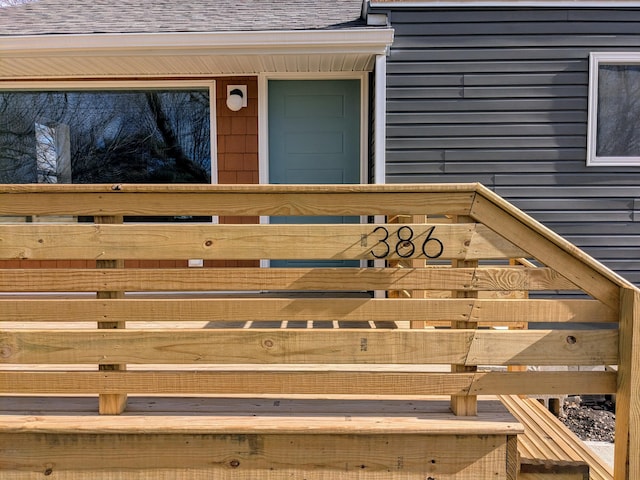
(41, 17)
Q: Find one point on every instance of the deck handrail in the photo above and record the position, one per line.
(389, 359)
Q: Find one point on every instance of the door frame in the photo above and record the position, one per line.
(263, 122)
(263, 116)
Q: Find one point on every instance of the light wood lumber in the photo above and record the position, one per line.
(111, 404)
(566, 472)
(168, 188)
(411, 264)
(546, 441)
(247, 381)
(235, 346)
(246, 416)
(550, 383)
(256, 456)
(547, 247)
(343, 346)
(248, 279)
(543, 347)
(464, 405)
(513, 462)
(174, 199)
(169, 361)
(627, 445)
(521, 294)
(234, 203)
(241, 242)
(303, 309)
(76, 407)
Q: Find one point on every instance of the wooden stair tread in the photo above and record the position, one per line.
(547, 442)
(213, 416)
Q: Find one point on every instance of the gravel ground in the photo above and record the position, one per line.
(591, 419)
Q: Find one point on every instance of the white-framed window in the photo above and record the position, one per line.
(104, 132)
(614, 109)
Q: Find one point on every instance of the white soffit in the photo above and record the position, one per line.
(190, 54)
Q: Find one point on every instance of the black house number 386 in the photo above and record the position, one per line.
(402, 243)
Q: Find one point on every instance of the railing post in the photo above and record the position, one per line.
(418, 263)
(522, 326)
(111, 404)
(464, 404)
(627, 444)
(410, 263)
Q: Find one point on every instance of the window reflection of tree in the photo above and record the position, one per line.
(115, 136)
(618, 110)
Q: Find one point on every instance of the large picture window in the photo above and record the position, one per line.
(134, 134)
(614, 109)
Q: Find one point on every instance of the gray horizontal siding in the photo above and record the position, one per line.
(499, 96)
(524, 141)
(462, 41)
(495, 118)
(408, 68)
(400, 100)
(491, 54)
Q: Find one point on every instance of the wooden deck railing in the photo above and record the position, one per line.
(154, 344)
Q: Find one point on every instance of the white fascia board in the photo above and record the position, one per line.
(505, 3)
(374, 41)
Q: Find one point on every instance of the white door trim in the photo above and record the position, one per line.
(263, 121)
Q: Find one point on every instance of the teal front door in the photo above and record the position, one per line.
(314, 137)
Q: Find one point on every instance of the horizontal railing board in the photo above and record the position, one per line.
(237, 242)
(468, 347)
(306, 309)
(234, 346)
(301, 382)
(250, 279)
(251, 200)
(543, 347)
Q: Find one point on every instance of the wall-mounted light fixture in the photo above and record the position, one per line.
(236, 97)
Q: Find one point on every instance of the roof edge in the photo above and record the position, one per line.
(374, 40)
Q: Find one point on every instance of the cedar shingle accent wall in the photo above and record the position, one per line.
(237, 148)
(237, 134)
